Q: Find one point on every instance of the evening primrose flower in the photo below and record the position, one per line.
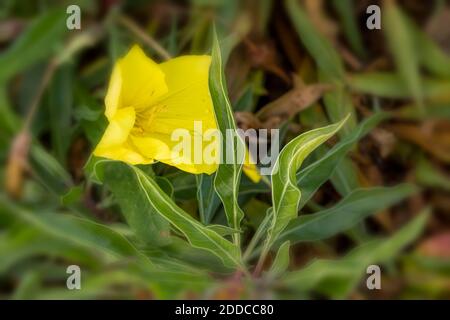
(146, 102)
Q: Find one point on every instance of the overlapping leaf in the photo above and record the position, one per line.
(285, 193)
(336, 278)
(197, 234)
(228, 174)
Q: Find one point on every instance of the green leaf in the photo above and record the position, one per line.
(336, 278)
(281, 262)
(326, 57)
(48, 171)
(338, 103)
(222, 230)
(34, 44)
(404, 50)
(74, 230)
(430, 176)
(285, 193)
(433, 111)
(228, 175)
(25, 242)
(432, 57)
(197, 234)
(389, 85)
(72, 196)
(345, 177)
(9, 122)
(60, 100)
(331, 68)
(28, 286)
(208, 201)
(143, 219)
(313, 176)
(347, 16)
(354, 208)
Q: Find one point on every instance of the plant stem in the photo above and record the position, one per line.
(256, 237)
(262, 259)
(147, 39)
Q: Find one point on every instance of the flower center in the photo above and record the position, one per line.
(145, 118)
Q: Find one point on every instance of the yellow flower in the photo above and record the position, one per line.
(146, 102)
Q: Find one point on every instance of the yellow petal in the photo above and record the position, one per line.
(187, 100)
(115, 141)
(136, 81)
(250, 169)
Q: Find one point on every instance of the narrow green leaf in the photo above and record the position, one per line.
(338, 103)
(60, 100)
(389, 85)
(285, 193)
(347, 16)
(331, 68)
(197, 234)
(49, 171)
(403, 49)
(354, 208)
(345, 177)
(313, 176)
(431, 56)
(35, 43)
(75, 230)
(433, 111)
(326, 57)
(228, 175)
(430, 176)
(336, 278)
(26, 242)
(281, 262)
(28, 286)
(208, 201)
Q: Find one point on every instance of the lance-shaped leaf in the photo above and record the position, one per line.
(313, 176)
(197, 234)
(326, 57)
(74, 230)
(336, 278)
(358, 205)
(285, 193)
(37, 42)
(228, 174)
(208, 201)
(331, 67)
(404, 49)
(281, 262)
(390, 85)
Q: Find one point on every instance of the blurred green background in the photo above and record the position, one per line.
(294, 65)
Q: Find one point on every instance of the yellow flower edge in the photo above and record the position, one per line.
(145, 102)
(250, 169)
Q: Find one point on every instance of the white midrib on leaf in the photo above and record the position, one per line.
(231, 257)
